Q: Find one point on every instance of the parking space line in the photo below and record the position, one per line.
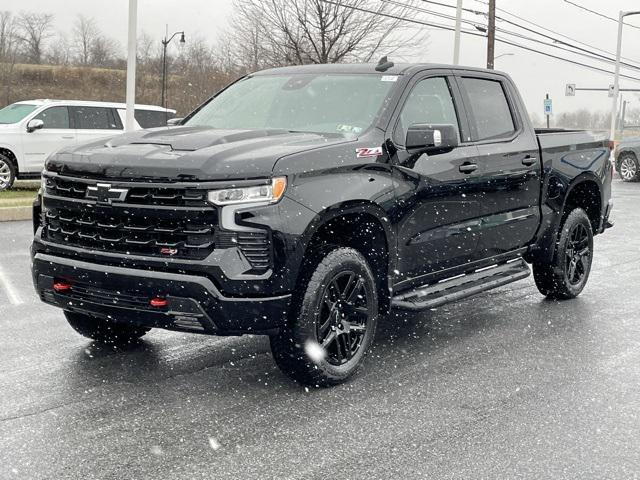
(12, 293)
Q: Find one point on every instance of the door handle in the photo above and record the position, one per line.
(68, 137)
(468, 167)
(529, 160)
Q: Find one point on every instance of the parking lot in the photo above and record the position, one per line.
(504, 385)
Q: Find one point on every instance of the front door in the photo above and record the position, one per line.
(54, 135)
(437, 192)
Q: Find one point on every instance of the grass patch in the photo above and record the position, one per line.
(21, 195)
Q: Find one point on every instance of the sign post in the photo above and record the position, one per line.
(548, 108)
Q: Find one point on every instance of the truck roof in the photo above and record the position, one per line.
(47, 101)
(364, 68)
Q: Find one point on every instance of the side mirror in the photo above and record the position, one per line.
(422, 137)
(35, 124)
(172, 122)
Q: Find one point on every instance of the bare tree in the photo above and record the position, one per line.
(85, 33)
(8, 52)
(60, 51)
(33, 31)
(281, 32)
(104, 51)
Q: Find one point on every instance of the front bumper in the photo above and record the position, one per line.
(194, 303)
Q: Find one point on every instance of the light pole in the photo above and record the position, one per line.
(165, 43)
(131, 66)
(616, 78)
(456, 38)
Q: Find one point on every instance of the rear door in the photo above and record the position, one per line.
(54, 135)
(507, 159)
(93, 123)
(437, 202)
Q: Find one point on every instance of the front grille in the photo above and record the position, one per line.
(150, 220)
(117, 230)
(138, 195)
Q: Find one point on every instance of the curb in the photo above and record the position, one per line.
(12, 214)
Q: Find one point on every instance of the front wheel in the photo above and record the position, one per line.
(567, 274)
(7, 173)
(104, 331)
(333, 321)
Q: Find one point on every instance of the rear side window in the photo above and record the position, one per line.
(96, 118)
(54, 117)
(152, 118)
(490, 112)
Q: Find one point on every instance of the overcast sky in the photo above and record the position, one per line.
(535, 75)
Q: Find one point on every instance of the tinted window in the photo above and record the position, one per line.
(152, 118)
(430, 101)
(95, 118)
(489, 107)
(54, 117)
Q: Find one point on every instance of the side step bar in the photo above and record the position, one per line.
(456, 288)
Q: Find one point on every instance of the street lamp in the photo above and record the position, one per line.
(616, 78)
(165, 43)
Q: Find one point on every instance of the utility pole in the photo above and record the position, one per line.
(622, 115)
(456, 38)
(547, 115)
(491, 34)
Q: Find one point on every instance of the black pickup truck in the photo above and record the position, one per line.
(305, 202)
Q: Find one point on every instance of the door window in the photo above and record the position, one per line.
(429, 102)
(95, 118)
(490, 113)
(54, 117)
(152, 118)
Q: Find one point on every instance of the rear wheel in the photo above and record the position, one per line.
(628, 167)
(333, 322)
(104, 331)
(567, 274)
(7, 173)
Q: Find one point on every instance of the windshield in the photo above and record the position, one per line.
(345, 104)
(16, 112)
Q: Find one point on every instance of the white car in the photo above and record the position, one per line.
(32, 130)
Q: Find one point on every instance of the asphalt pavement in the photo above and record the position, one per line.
(503, 385)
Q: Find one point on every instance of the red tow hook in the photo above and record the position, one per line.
(158, 302)
(61, 286)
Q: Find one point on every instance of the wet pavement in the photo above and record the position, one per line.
(503, 385)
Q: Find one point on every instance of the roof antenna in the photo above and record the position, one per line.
(383, 64)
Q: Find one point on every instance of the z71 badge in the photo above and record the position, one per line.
(365, 152)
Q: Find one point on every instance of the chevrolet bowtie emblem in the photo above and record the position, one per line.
(103, 193)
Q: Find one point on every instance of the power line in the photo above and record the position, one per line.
(476, 34)
(535, 25)
(598, 13)
(587, 53)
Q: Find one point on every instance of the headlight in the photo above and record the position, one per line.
(258, 194)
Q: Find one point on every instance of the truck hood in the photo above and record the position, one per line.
(187, 153)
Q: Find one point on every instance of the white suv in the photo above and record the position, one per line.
(32, 130)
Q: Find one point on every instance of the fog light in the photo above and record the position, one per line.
(158, 302)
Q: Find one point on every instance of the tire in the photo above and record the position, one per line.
(7, 173)
(628, 167)
(104, 331)
(332, 323)
(567, 274)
